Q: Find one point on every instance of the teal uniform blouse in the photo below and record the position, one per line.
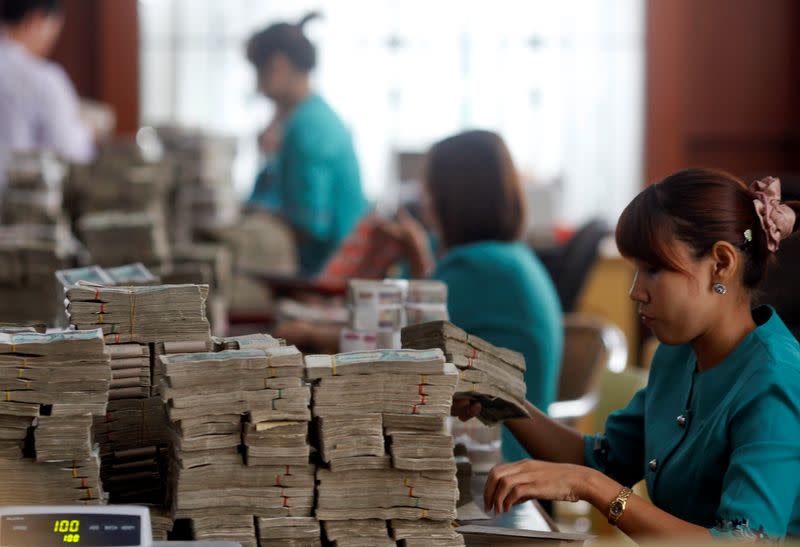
(314, 182)
(501, 292)
(718, 448)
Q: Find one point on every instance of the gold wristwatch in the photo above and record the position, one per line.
(618, 504)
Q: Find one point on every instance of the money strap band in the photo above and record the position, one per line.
(132, 297)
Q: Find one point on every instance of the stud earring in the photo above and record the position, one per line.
(719, 288)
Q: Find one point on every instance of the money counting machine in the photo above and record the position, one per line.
(97, 526)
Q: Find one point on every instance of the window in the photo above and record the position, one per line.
(561, 81)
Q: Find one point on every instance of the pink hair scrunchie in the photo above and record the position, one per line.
(777, 219)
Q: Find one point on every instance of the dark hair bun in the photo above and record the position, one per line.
(285, 38)
(310, 16)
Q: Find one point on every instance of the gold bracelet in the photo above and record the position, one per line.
(618, 505)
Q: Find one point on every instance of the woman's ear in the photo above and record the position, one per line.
(726, 261)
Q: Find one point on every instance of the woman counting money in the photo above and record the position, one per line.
(498, 289)
(715, 433)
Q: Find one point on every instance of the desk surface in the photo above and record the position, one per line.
(525, 516)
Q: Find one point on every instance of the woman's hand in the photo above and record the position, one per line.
(411, 235)
(465, 409)
(513, 483)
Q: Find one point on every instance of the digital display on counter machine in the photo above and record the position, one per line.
(45, 530)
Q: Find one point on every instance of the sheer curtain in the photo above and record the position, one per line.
(561, 81)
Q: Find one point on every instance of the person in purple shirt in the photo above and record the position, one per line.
(39, 108)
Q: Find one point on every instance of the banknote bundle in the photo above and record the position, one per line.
(29, 256)
(53, 386)
(132, 274)
(425, 533)
(33, 190)
(380, 309)
(172, 348)
(161, 523)
(115, 238)
(358, 533)
(205, 263)
(134, 438)
(247, 341)
(380, 419)
(240, 436)
(26, 482)
(204, 194)
(130, 371)
(494, 376)
(159, 313)
(289, 531)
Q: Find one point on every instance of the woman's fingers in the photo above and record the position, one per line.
(465, 409)
(498, 479)
(519, 477)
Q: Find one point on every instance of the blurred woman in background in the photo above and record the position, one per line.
(39, 108)
(313, 179)
(497, 288)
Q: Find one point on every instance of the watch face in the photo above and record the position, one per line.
(616, 508)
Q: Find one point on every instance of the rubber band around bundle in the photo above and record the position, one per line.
(132, 297)
(410, 491)
(286, 501)
(278, 480)
(288, 469)
(407, 482)
(423, 378)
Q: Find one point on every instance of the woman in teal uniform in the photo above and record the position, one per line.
(716, 433)
(313, 180)
(497, 288)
